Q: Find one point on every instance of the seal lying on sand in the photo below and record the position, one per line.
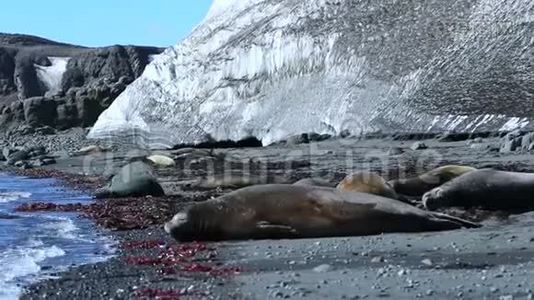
(486, 188)
(133, 180)
(367, 182)
(421, 184)
(291, 211)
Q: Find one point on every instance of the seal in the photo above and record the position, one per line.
(281, 211)
(486, 188)
(367, 182)
(423, 183)
(315, 182)
(161, 161)
(136, 179)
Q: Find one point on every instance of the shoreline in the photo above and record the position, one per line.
(127, 274)
(286, 268)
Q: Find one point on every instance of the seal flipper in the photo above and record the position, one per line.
(462, 222)
(266, 230)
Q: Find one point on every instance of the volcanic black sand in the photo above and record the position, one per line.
(493, 262)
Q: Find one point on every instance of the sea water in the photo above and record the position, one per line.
(34, 246)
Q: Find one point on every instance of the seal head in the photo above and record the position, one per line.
(369, 183)
(436, 198)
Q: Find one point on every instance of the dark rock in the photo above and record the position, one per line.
(48, 161)
(402, 136)
(42, 162)
(395, 151)
(7, 151)
(463, 136)
(46, 130)
(315, 137)
(211, 143)
(133, 180)
(40, 111)
(17, 156)
(454, 137)
(7, 69)
(93, 79)
(298, 139)
(28, 85)
(526, 141)
(307, 138)
(511, 143)
(112, 63)
(24, 165)
(36, 151)
(514, 135)
(25, 130)
(345, 134)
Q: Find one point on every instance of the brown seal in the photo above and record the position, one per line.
(487, 189)
(367, 182)
(315, 182)
(421, 184)
(292, 211)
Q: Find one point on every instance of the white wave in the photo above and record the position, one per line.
(22, 262)
(13, 196)
(63, 228)
(51, 76)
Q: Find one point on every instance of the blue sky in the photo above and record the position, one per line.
(104, 22)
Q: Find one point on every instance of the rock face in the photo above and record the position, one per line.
(279, 68)
(43, 82)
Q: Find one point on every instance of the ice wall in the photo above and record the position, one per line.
(276, 68)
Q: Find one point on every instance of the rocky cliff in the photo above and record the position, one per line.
(46, 83)
(273, 69)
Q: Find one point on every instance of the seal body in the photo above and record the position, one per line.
(133, 180)
(423, 183)
(367, 182)
(290, 211)
(315, 182)
(486, 188)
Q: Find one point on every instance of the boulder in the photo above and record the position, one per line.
(7, 69)
(395, 151)
(344, 134)
(512, 141)
(419, 146)
(133, 180)
(40, 111)
(454, 137)
(45, 130)
(20, 155)
(7, 151)
(161, 161)
(90, 150)
(526, 141)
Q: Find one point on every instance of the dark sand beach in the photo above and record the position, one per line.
(493, 262)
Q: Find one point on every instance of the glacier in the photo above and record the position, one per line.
(271, 69)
